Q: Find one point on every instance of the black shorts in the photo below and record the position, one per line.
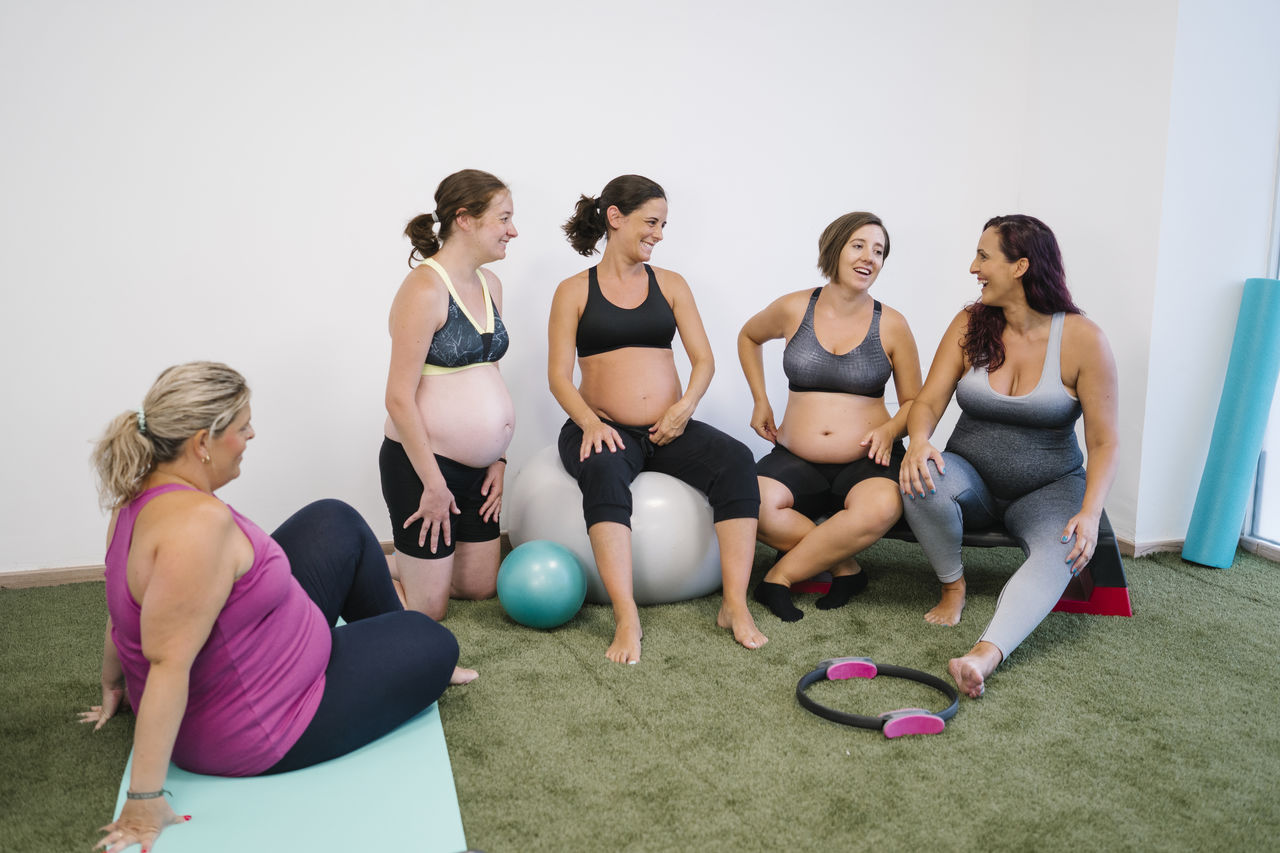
(402, 490)
(819, 488)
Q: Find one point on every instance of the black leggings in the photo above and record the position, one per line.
(388, 664)
(718, 465)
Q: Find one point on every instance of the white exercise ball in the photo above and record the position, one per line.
(674, 552)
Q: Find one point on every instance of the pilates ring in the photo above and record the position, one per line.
(904, 721)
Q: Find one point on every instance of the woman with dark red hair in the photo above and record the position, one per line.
(1024, 365)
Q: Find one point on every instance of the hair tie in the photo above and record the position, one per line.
(142, 422)
(434, 218)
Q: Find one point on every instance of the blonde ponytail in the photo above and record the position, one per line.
(184, 400)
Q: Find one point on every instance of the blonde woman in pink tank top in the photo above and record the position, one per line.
(222, 639)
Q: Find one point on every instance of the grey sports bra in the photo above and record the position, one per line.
(864, 370)
(1048, 405)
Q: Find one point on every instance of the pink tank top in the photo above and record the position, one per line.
(256, 684)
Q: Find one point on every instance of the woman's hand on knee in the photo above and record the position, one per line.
(879, 443)
(434, 510)
(596, 438)
(492, 490)
(1084, 527)
(914, 477)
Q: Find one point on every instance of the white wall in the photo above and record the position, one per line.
(1094, 169)
(1220, 182)
(230, 182)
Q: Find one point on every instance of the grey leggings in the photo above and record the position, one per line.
(1036, 519)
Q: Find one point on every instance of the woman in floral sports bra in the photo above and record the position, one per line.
(449, 414)
(836, 452)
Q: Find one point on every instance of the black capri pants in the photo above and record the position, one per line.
(716, 464)
(388, 664)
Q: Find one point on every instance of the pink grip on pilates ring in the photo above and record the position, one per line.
(904, 721)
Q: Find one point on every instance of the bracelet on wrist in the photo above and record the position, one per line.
(502, 459)
(147, 795)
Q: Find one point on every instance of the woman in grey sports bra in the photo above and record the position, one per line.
(1024, 364)
(836, 450)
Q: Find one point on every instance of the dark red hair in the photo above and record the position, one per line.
(1044, 284)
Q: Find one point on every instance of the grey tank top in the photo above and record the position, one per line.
(1019, 444)
(808, 365)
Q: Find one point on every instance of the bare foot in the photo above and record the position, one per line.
(970, 672)
(738, 619)
(462, 675)
(626, 643)
(394, 571)
(948, 610)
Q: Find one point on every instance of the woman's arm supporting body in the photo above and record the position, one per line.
(113, 686)
(927, 410)
(693, 336)
(900, 345)
(778, 320)
(182, 566)
(1087, 355)
(562, 329)
(418, 312)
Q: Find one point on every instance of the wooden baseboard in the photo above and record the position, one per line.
(30, 578)
(1159, 546)
(1266, 550)
(50, 577)
(80, 574)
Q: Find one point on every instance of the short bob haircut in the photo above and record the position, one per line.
(836, 235)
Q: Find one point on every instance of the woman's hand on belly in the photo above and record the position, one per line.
(671, 425)
(762, 422)
(827, 427)
(633, 386)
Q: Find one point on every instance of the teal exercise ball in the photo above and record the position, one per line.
(541, 584)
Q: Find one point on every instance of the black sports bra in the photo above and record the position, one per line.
(604, 327)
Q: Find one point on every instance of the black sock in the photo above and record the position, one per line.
(843, 588)
(777, 598)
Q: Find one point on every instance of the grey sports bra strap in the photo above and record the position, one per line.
(1053, 355)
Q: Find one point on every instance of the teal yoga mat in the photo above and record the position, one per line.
(1239, 428)
(394, 794)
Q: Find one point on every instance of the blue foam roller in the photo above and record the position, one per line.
(1239, 428)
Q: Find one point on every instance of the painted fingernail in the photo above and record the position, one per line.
(913, 497)
(1064, 539)
(933, 491)
(1067, 561)
(186, 817)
